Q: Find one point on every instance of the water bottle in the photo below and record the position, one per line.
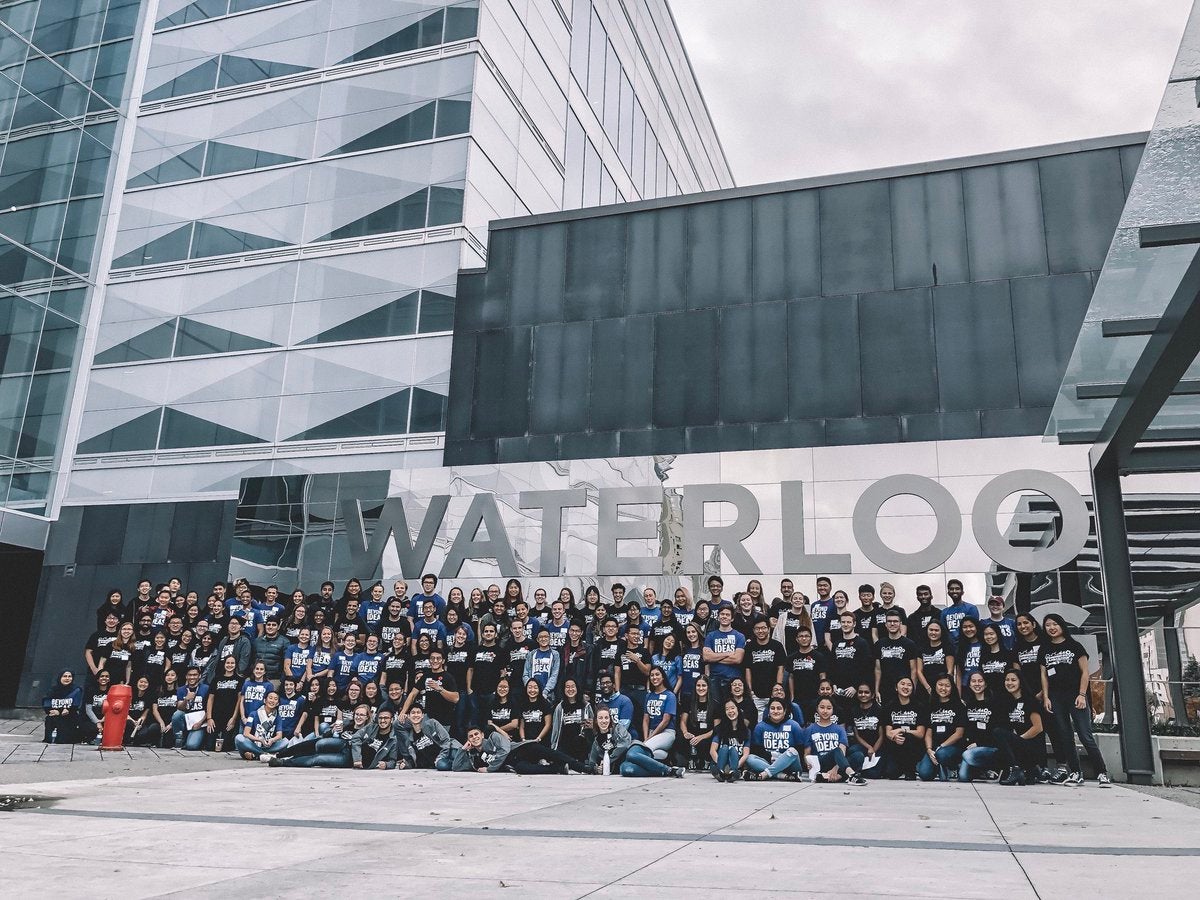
(54, 735)
(606, 764)
(694, 764)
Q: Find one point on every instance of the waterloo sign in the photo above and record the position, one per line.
(645, 514)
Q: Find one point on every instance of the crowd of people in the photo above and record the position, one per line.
(745, 687)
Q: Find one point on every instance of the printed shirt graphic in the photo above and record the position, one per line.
(826, 738)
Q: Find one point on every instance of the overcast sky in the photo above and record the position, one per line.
(809, 87)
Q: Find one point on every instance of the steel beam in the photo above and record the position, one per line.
(1137, 750)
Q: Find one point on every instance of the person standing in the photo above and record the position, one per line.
(1065, 675)
(724, 652)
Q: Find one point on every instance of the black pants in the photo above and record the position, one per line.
(61, 730)
(149, 735)
(1018, 752)
(902, 759)
(538, 759)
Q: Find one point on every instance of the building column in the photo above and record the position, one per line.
(1174, 667)
(1137, 750)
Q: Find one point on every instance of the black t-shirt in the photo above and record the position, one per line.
(225, 696)
(458, 661)
(895, 658)
(853, 663)
(764, 663)
(1062, 665)
(631, 675)
(425, 749)
(993, 667)
(387, 629)
(661, 629)
(515, 655)
(806, 670)
(981, 718)
(435, 704)
(864, 621)
(918, 621)
(908, 716)
(879, 620)
(398, 668)
(933, 661)
(487, 669)
(944, 718)
(572, 739)
(116, 663)
(604, 657)
(532, 716)
(1017, 714)
(502, 713)
(150, 663)
(867, 722)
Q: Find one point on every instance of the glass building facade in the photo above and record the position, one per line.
(63, 69)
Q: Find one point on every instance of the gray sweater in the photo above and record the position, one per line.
(495, 750)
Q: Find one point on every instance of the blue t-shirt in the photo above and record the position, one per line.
(435, 629)
(725, 642)
(558, 633)
(650, 616)
(621, 708)
(197, 703)
(822, 612)
(952, 617)
(322, 659)
(672, 668)
(289, 714)
(826, 738)
(371, 613)
(253, 693)
(298, 656)
(659, 706)
(418, 600)
(777, 739)
(344, 665)
(1008, 630)
(692, 666)
(368, 666)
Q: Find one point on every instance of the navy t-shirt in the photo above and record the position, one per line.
(725, 642)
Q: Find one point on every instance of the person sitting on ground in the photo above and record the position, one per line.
(332, 752)
(377, 745)
(422, 739)
(261, 732)
(63, 706)
(827, 741)
(476, 754)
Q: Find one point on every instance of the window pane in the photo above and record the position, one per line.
(612, 94)
(445, 205)
(428, 412)
(453, 117)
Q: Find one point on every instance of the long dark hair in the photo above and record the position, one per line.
(1062, 623)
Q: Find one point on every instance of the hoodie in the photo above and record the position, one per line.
(385, 748)
(617, 746)
(492, 753)
(62, 697)
(407, 738)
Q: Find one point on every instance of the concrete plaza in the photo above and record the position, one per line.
(209, 825)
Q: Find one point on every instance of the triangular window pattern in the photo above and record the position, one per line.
(426, 32)
(247, 70)
(188, 164)
(225, 158)
(153, 344)
(181, 429)
(195, 80)
(199, 338)
(215, 240)
(412, 126)
(171, 247)
(403, 215)
(137, 434)
(394, 318)
(386, 416)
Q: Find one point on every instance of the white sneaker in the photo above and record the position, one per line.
(1103, 780)
(1073, 780)
(266, 757)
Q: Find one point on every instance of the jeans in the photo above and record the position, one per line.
(978, 759)
(1065, 716)
(834, 757)
(728, 758)
(325, 753)
(243, 744)
(857, 756)
(192, 740)
(788, 761)
(948, 759)
(639, 763)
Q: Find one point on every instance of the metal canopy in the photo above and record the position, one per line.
(1133, 374)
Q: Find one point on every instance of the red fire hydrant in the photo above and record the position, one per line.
(116, 714)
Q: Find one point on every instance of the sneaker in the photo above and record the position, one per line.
(991, 775)
(275, 762)
(1103, 780)
(1060, 777)
(820, 779)
(266, 757)
(747, 775)
(676, 772)
(1014, 777)
(1043, 775)
(856, 780)
(731, 776)
(718, 774)
(1073, 780)
(590, 768)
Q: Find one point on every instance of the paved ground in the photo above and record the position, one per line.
(146, 824)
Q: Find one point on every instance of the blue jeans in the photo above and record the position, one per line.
(856, 756)
(835, 757)
(188, 740)
(640, 763)
(728, 758)
(978, 759)
(637, 696)
(788, 761)
(243, 744)
(948, 759)
(325, 753)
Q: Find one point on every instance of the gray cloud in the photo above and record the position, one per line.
(809, 87)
